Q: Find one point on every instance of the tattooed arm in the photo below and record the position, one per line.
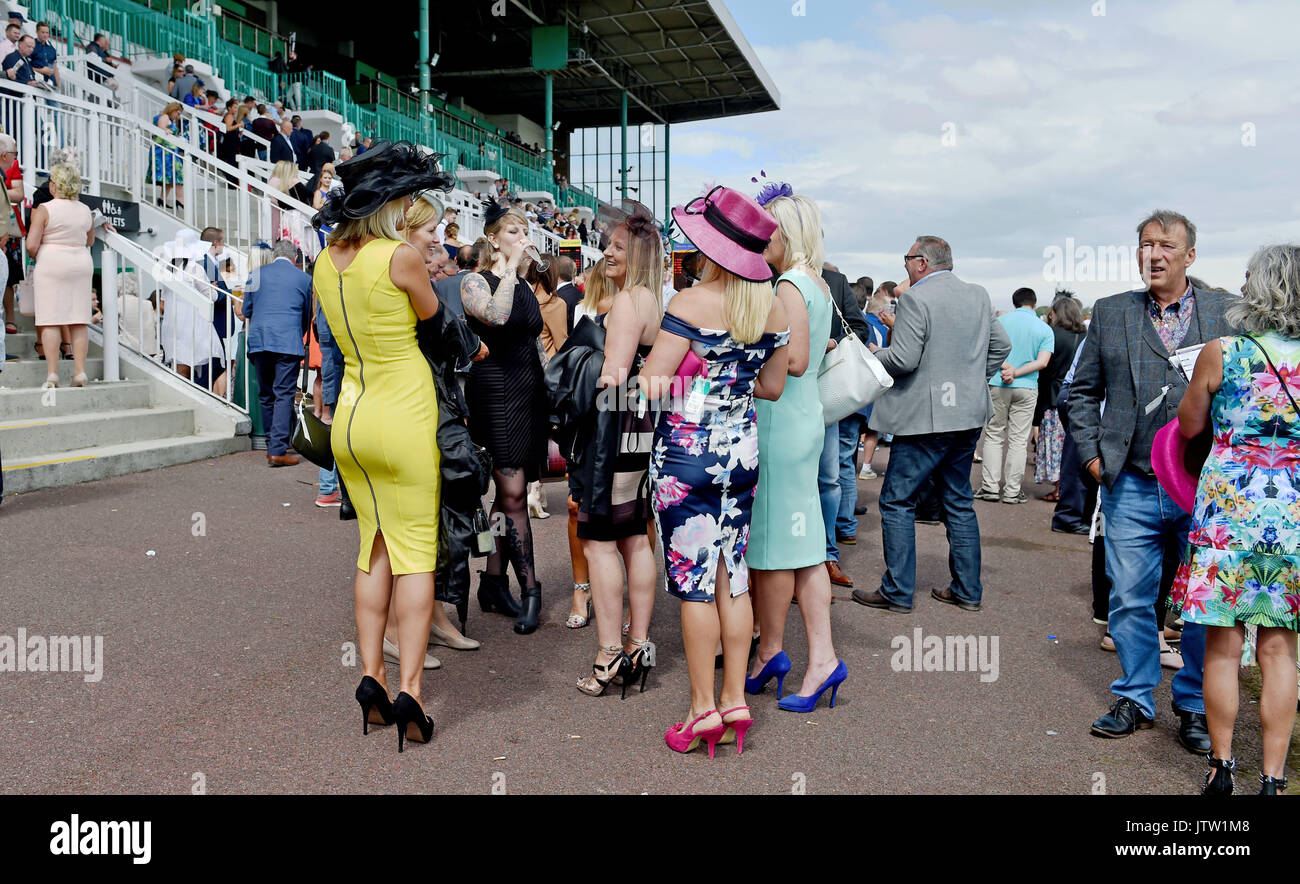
(491, 308)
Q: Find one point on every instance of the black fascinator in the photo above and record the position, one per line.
(385, 172)
(492, 212)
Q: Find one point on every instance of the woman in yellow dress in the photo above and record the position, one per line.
(372, 287)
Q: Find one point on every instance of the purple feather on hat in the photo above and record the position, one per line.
(773, 191)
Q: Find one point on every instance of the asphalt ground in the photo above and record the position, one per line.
(224, 665)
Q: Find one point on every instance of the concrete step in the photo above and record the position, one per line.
(54, 435)
(88, 464)
(33, 404)
(22, 344)
(31, 372)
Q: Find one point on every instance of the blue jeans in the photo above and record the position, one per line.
(828, 487)
(1140, 517)
(851, 429)
(912, 460)
(328, 481)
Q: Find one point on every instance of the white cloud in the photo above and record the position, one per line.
(1067, 125)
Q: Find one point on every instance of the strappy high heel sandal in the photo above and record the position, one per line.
(1218, 779)
(736, 728)
(641, 661)
(577, 621)
(1271, 785)
(601, 676)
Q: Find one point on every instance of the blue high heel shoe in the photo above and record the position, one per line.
(778, 666)
(797, 703)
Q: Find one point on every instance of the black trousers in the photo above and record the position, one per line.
(1078, 495)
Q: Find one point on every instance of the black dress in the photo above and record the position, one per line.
(507, 398)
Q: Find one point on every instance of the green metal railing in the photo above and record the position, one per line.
(237, 48)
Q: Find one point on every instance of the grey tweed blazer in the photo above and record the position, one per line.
(1125, 365)
(945, 346)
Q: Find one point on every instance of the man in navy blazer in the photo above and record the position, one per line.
(301, 139)
(277, 307)
(282, 144)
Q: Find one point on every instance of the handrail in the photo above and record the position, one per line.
(176, 279)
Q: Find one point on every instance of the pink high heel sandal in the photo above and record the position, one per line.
(736, 730)
(682, 737)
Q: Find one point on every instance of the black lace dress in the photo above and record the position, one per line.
(507, 398)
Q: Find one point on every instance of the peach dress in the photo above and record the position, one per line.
(62, 279)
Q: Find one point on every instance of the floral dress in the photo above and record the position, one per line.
(167, 165)
(1243, 562)
(704, 464)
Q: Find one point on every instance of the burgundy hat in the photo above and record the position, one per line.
(731, 229)
(1169, 461)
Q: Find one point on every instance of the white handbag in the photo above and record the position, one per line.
(26, 292)
(850, 378)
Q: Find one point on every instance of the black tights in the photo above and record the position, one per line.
(511, 526)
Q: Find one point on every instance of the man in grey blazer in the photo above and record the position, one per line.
(1125, 364)
(944, 348)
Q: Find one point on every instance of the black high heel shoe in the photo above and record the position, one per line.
(376, 708)
(494, 595)
(594, 685)
(641, 661)
(532, 609)
(1271, 785)
(1218, 781)
(409, 715)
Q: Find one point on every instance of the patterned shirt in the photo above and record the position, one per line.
(1171, 322)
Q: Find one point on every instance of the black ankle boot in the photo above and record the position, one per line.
(532, 598)
(1271, 785)
(1218, 781)
(494, 595)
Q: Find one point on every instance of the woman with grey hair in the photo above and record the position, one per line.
(1243, 560)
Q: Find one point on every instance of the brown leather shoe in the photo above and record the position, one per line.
(948, 597)
(283, 460)
(838, 577)
(874, 599)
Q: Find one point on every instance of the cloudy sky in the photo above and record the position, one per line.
(1012, 128)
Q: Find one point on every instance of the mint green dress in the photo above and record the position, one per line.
(787, 531)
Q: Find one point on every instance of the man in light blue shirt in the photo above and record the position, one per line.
(1015, 393)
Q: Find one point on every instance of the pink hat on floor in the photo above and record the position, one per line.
(730, 229)
(1169, 461)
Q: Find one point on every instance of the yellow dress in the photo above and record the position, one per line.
(386, 420)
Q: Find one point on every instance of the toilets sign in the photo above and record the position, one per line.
(123, 215)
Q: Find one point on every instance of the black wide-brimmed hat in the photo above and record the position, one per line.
(385, 172)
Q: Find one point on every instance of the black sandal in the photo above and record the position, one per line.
(1216, 784)
(1271, 785)
(594, 685)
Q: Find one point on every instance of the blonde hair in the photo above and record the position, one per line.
(65, 181)
(599, 288)
(645, 261)
(285, 172)
(490, 251)
(172, 108)
(746, 304)
(800, 222)
(421, 213)
(386, 223)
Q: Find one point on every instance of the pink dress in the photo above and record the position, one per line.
(63, 273)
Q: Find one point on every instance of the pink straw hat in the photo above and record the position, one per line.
(1169, 461)
(730, 229)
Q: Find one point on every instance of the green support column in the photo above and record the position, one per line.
(425, 77)
(550, 126)
(668, 199)
(623, 168)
